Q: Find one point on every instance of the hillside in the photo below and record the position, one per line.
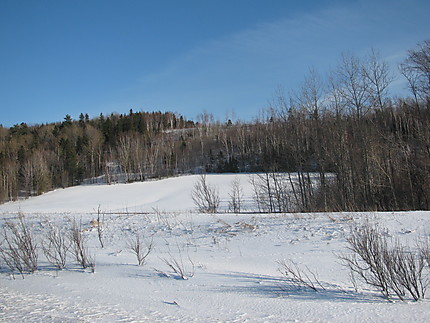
(230, 261)
(171, 194)
(347, 124)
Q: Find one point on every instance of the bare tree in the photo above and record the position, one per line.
(376, 73)
(236, 196)
(125, 147)
(416, 69)
(413, 81)
(353, 86)
(263, 192)
(311, 95)
(95, 148)
(271, 191)
(152, 154)
(205, 196)
(27, 174)
(335, 98)
(9, 174)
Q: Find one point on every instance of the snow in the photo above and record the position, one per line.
(231, 260)
(172, 194)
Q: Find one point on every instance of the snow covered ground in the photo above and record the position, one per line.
(230, 260)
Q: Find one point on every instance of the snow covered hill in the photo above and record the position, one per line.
(172, 194)
(230, 262)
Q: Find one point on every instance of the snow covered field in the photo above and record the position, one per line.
(230, 261)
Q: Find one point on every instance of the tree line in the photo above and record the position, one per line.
(370, 150)
(35, 159)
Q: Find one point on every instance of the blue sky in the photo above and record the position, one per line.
(101, 56)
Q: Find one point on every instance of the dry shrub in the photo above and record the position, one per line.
(18, 248)
(386, 264)
(79, 247)
(140, 247)
(299, 276)
(205, 196)
(55, 246)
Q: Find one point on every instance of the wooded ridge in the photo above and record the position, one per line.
(371, 151)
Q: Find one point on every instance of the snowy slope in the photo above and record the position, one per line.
(167, 194)
(230, 261)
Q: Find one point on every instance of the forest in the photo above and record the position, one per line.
(353, 145)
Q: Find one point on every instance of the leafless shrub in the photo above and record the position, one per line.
(424, 248)
(390, 267)
(184, 268)
(299, 277)
(140, 247)
(79, 248)
(164, 218)
(236, 196)
(55, 247)
(19, 248)
(12, 260)
(369, 250)
(408, 271)
(205, 196)
(178, 266)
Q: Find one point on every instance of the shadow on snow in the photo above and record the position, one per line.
(275, 287)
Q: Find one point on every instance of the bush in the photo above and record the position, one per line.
(56, 246)
(392, 268)
(299, 277)
(236, 196)
(18, 248)
(205, 196)
(140, 248)
(79, 248)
